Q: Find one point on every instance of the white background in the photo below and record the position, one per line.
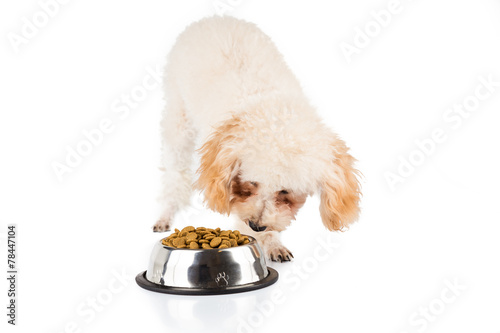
(438, 227)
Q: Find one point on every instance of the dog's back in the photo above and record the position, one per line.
(221, 63)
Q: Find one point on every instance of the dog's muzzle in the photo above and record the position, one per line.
(255, 227)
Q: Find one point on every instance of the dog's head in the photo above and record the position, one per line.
(262, 166)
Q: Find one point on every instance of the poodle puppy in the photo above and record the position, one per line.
(263, 148)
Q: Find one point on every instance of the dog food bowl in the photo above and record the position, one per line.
(207, 271)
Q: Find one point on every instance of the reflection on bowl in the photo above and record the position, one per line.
(207, 272)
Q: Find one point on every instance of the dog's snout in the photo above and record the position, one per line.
(254, 227)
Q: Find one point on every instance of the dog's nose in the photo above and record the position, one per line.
(255, 227)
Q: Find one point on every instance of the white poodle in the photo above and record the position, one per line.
(231, 97)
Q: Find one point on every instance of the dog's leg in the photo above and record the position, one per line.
(178, 140)
(269, 242)
(272, 247)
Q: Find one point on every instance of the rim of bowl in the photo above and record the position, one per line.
(252, 241)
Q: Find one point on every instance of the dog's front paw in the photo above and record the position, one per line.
(279, 253)
(269, 242)
(162, 225)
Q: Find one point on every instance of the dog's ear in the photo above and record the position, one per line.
(340, 189)
(219, 165)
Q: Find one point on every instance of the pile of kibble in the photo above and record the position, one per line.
(205, 238)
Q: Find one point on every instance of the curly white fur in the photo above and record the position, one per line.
(263, 147)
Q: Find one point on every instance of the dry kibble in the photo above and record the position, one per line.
(204, 238)
(188, 229)
(179, 241)
(191, 236)
(215, 242)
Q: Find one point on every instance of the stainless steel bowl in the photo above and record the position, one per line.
(207, 272)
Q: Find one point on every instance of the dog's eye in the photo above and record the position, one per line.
(283, 192)
(253, 183)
